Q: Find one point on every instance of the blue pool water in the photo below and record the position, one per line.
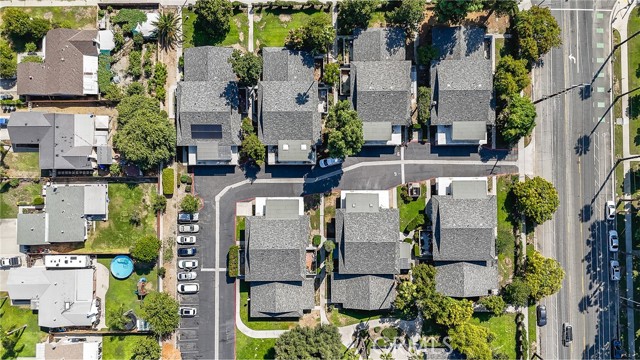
(121, 266)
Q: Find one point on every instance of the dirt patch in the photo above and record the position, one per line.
(256, 18)
(495, 24)
(169, 352)
(284, 18)
(310, 319)
(47, 15)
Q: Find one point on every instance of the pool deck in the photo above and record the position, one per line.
(102, 285)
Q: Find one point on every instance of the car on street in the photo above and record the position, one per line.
(14, 261)
(193, 228)
(613, 241)
(183, 276)
(541, 312)
(187, 218)
(188, 311)
(616, 349)
(610, 210)
(186, 239)
(325, 163)
(187, 251)
(188, 264)
(614, 270)
(567, 334)
(189, 288)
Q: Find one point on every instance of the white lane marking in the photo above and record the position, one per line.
(213, 269)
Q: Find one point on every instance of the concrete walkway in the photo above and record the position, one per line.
(250, 38)
(323, 283)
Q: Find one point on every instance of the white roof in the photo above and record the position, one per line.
(102, 122)
(95, 199)
(105, 40)
(147, 28)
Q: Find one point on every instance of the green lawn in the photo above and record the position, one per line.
(412, 209)
(250, 348)
(343, 317)
(618, 153)
(532, 324)
(15, 317)
(504, 328)
(274, 25)
(314, 219)
(119, 347)
(123, 291)
(23, 164)
(240, 221)
(634, 81)
(118, 234)
(238, 31)
(9, 197)
(506, 239)
(617, 76)
(259, 324)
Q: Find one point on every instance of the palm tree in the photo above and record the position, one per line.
(167, 30)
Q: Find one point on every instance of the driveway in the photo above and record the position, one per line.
(8, 247)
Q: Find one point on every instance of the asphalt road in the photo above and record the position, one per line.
(573, 150)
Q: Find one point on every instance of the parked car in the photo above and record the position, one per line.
(193, 228)
(186, 239)
(188, 311)
(610, 210)
(325, 163)
(187, 276)
(567, 334)
(187, 218)
(188, 264)
(15, 261)
(613, 241)
(616, 349)
(189, 288)
(541, 312)
(614, 270)
(187, 251)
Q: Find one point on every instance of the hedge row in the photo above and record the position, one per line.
(168, 181)
(233, 261)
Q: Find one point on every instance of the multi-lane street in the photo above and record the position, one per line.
(573, 150)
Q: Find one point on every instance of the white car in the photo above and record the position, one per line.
(613, 241)
(185, 239)
(192, 228)
(615, 270)
(325, 163)
(189, 288)
(188, 264)
(187, 276)
(610, 210)
(188, 311)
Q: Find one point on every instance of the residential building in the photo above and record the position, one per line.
(69, 144)
(208, 118)
(381, 84)
(66, 215)
(288, 111)
(70, 348)
(281, 285)
(464, 220)
(147, 28)
(462, 100)
(62, 298)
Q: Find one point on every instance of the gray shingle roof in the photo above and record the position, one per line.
(65, 206)
(466, 279)
(363, 292)
(296, 151)
(469, 189)
(31, 229)
(376, 44)
(276, 248)
(281, 299)
(281, 64)
(459, 42)
(368, 241)
(464, 229)
(381, 91)
(62, 71)
(104, 155)
(208, 63)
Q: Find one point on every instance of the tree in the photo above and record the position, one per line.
(247, 127)
(517, 293)
(32, 58)
(406, 295)
(8, 63)
(161, 311)
(454, 11)
(321, 342)
(213, 17)
(30, 47)
(132, 106)
(146, 348)
(511, 76)
(252, 149)
(424, 105)
(494, 303)
(128, 19)
(536, 198)
(419, 294)
(315, 36)
(331, 75)
(355, 14)
(453, 312)
(159, 203)
(345, 130)
(543, 275)
(135, 88)
(537, 32)
(146, 249)
(471, 340)
(329, 246)
(17, 24)
(116, 320)
(247, 66)
(518, 119)
(118, 40)
(190, 204)
(113, 93)
(167, 29)
(408, 16)
(504, 7)
(427, 53)
(135, 64)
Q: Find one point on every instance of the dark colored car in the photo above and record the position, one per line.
(567, 334)
(187, 251)
(541, 312)
(616, 349)
(186, 218)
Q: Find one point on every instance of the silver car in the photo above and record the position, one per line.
(188, 264)
(187, 276)
(191, 228)
(615, 270)
(186, 239)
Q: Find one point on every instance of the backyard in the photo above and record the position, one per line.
(14, 317)
(412, 209)
(10, 196)
(119, 347)
(344, 317)
(504, 329)
(271, 27)
(22, 164)
(251, 348)
(193, 36)
(259, 324)
(506, 239)
(240, 228)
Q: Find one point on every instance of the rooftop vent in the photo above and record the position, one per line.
(285, 147)
(303, 147)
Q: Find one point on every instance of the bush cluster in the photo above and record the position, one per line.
(316, 240)
(232, 258)
(167, 181)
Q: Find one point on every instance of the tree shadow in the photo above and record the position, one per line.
(201, 37)
(634, 106)
(585, 213)
(302, 98)
(583, 145)
(230, 94)
(250, 170)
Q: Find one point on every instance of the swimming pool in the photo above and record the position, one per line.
(121, 267)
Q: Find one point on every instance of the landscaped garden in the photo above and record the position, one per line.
(411, 209)
(21, 192)
(238, 33)
(504, 329)
(14, 317)
(344, 317)
(271, 27)
(505, 244)
(256, 324)
(119, 347)
(251, 348)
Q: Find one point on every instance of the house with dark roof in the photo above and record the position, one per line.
(464, 220)
(288, 110)
(73, 144)
(275, 259)
(462, 100)
(207, 100)
(381, 84)
(368, 249)
(70, 67)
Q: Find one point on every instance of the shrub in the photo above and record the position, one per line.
(424, 105)
(408, 240)
(135, 64)
(30, 47)
(146, 249)
(162, 271)
(185, 179)
(316, 240)
(14, 183)
(115, 169)
(38, 200)
(390, 333)
(493, 303)
(232, 258)
(404, 194)
(159, 203)
(414, 224)
(128, 19)
(167, 181)
(135, 218)
(187, 189)
(381, 343)
(190, 204)
(416, 250)
(377, 329)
